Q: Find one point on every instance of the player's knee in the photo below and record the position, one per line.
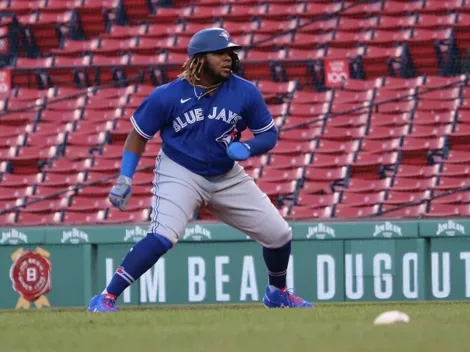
(170, 232)
(159, 243)
(279, 237)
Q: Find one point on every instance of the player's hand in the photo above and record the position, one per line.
(241, 126)
(121, 192)
(238, 151)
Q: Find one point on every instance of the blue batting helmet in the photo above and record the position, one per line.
(210, 39)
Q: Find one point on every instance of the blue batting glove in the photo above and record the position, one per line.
(238, 151)
(121, 192)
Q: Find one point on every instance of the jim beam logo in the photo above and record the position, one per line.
(196, 233)
(321, 231)
(74, 236)
(135, 234)
(450, 228)
(13, 237)
(30, 275)
(387, 230)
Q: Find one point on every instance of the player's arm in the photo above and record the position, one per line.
(147, 120)
(133, 149)
(263, 142)
(260, 122)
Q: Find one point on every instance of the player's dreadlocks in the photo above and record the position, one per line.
(192, 69)
(192, 73)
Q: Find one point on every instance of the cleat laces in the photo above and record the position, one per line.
(109, 302)
(292, 298)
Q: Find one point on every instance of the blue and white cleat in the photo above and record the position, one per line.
(102, 303)
(277, 298)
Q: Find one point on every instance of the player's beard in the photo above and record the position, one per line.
(212, 76)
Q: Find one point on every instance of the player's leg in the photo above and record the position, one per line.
(177, 193)
(240, 203)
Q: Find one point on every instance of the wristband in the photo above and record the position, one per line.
(129, 163)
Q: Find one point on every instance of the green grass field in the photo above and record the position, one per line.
(341, 327)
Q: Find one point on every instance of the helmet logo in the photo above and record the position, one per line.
(225, 35)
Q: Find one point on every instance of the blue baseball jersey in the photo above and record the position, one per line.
(196, 132)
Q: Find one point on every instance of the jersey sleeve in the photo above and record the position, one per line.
(150, 116)
(256, 115)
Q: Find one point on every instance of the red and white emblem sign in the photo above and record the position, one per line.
(336, 72)
(30, 274)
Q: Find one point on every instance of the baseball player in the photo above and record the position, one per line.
(200, 117)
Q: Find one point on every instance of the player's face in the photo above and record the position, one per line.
(218, 64)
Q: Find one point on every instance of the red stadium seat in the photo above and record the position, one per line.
(313, 173)
(348, 121)
(443, 210)
(346, 211)
(414, 171)
(441, 7)
(414, 184)
(45, 207)
(360, 185)
(401, 197)
(125, 32)
(464, 210)
(377, 146)
(383, 132)
(453, 198)
(116, 216)
(7, 219)
(403, 84)
(459, 136)
(94, 191)
(361, 85)
(337, 147)
(288, 162)
(299, 134)
(329, 161)
(369, 160)
(315, 201)
(20, 180)
(12, 193)
(344, 96)
(421, 117)
(405, 212)
(85, 204)
(52, 179)
(79, 218)
(370, 165)
(257, 162)
(306, 213)
(343, 134)
(426, 131)
(105, 165)
(450, 170)
(452, 182)
(415, 150)
(293, 148)
(280, 175)
(48, 192)
(391, 105)
(362, 199)
(31, 219)
(458, 157)
(277, 188)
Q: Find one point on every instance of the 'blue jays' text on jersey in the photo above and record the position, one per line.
(196, 132)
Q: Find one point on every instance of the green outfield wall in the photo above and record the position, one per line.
(330, 262)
